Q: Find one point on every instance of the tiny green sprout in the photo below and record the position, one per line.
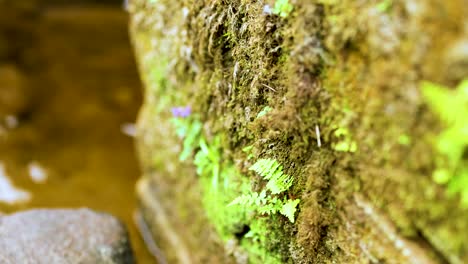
(345, 146)
(208, 160)
(264, 111)
(346, 143)
(188, 128)
(282, 8)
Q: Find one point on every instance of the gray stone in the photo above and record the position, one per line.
(63, 236)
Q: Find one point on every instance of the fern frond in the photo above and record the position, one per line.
(202, 162)
(272, 171)
(268, 209)
(279, 184)
(438, 97)
(267, 168)
(190, 133)
(288, 209)
(252, 199)
(245, 200)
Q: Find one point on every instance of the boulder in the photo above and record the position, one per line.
(63, 236)
(314, 129)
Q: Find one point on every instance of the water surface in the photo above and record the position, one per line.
(68, 149)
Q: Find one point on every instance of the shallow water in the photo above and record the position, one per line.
(83, 89)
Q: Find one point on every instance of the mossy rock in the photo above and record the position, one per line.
(346, 119)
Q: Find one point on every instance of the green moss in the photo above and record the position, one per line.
(255, 240)
(222, 184)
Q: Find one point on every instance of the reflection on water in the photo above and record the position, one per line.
(36, 172)
(10, 194)
(71, 147)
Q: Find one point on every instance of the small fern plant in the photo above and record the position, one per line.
(451, 105)
(282, 8)
(268, 200)
(208, 160)
(187, 127)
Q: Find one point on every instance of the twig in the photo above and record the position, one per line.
(317, 133)
(269, 87)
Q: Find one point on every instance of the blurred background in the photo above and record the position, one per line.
(69, 95)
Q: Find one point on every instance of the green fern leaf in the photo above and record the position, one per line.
(241, 200)
(289, 209)
(272, 171)
(451, 106)
(279, 184)
(439, 97)
(267, 168)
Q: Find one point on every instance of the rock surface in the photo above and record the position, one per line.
(331, 90)
(63, 236)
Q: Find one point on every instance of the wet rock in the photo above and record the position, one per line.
(63, 236)
(13, 95)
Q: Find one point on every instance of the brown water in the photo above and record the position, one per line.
(85, 88)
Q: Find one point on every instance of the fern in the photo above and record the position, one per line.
(266, 167)
(289, 208)
(282, 8)
(267, 202)
(252, 199)
(451, 106)
(272, 171)
(188, 129)
(208, 160)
